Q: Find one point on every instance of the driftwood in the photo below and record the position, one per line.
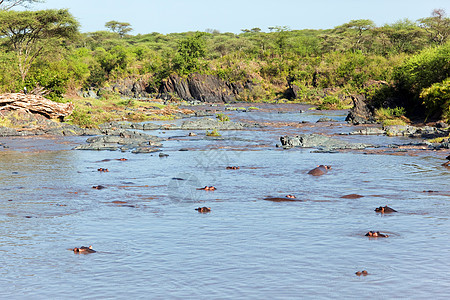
(35, 104)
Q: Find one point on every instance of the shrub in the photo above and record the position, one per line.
(222, 118)
(437, 99)
(330, 102)
(213, 132)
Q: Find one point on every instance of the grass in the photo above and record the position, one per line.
(391, 116)
(439, 139)
(89, 113)
(213, 132)
(222, 117)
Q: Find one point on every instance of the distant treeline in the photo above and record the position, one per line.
(410, 58)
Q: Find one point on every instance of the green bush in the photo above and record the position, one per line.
(330, 102)
(222, 118)
(437, 99)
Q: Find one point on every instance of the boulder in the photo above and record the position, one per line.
(361, 113)
(320, 142)
(205, 88)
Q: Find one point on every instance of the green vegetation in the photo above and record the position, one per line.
(405, 61)
(222, 118)
(391, 116)
(213, 132)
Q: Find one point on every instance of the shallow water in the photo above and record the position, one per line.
(157, 246)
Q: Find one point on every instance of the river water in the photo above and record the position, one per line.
(152, 244)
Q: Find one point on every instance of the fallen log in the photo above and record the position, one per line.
(35, 104)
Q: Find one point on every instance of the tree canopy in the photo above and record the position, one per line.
(121, 28)
(8, 4)
(29, 33)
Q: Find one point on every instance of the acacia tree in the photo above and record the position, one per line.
(356, 31)
(438, 26)
(8, 4)
(121, 28)
(30, 33)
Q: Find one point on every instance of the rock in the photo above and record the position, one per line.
(144, 150)
(361, 113)
(427, 132)
(202, 87)
(319, 141)
(326, 119)
(441, 124)
(369, 131)
(123, 140)
(210, 124)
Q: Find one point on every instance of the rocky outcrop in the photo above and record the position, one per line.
(205, 88)
(21, 123)
(129, 88)
(124, 140)
(427, 132)
(208, 124)
(35, 104)
(361, 113)
(319, 141)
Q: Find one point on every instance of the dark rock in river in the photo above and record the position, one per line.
(319, 141)
(361, 113)
(326, 119)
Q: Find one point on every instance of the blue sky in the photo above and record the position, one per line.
(146, 16)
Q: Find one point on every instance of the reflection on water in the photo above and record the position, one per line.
(151, 242)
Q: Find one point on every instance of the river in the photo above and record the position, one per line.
(152, 244)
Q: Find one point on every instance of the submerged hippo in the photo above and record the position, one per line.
(319, 170)
(98, 187)
(233, 168)
(363, 273)
(288, 198)
(208, 188)
(203, 209)
(84, 249)
(385, 210)
(376, 234)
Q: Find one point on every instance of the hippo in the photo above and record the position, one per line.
(98, 187)
(352, 196)
(385, 210)
(233, 168)
(84, 249)
(203, 209)
(376, 234)
(102, 170)
(320, 170)
(208, 188)
(281, 199)
(363, 273)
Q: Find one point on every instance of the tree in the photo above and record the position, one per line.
(8, 4)
(356, 31)
(189, 51)
(402, 36)
(120, 28)
(30, 33)
(438, 26)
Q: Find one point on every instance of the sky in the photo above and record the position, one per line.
(147, 16)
